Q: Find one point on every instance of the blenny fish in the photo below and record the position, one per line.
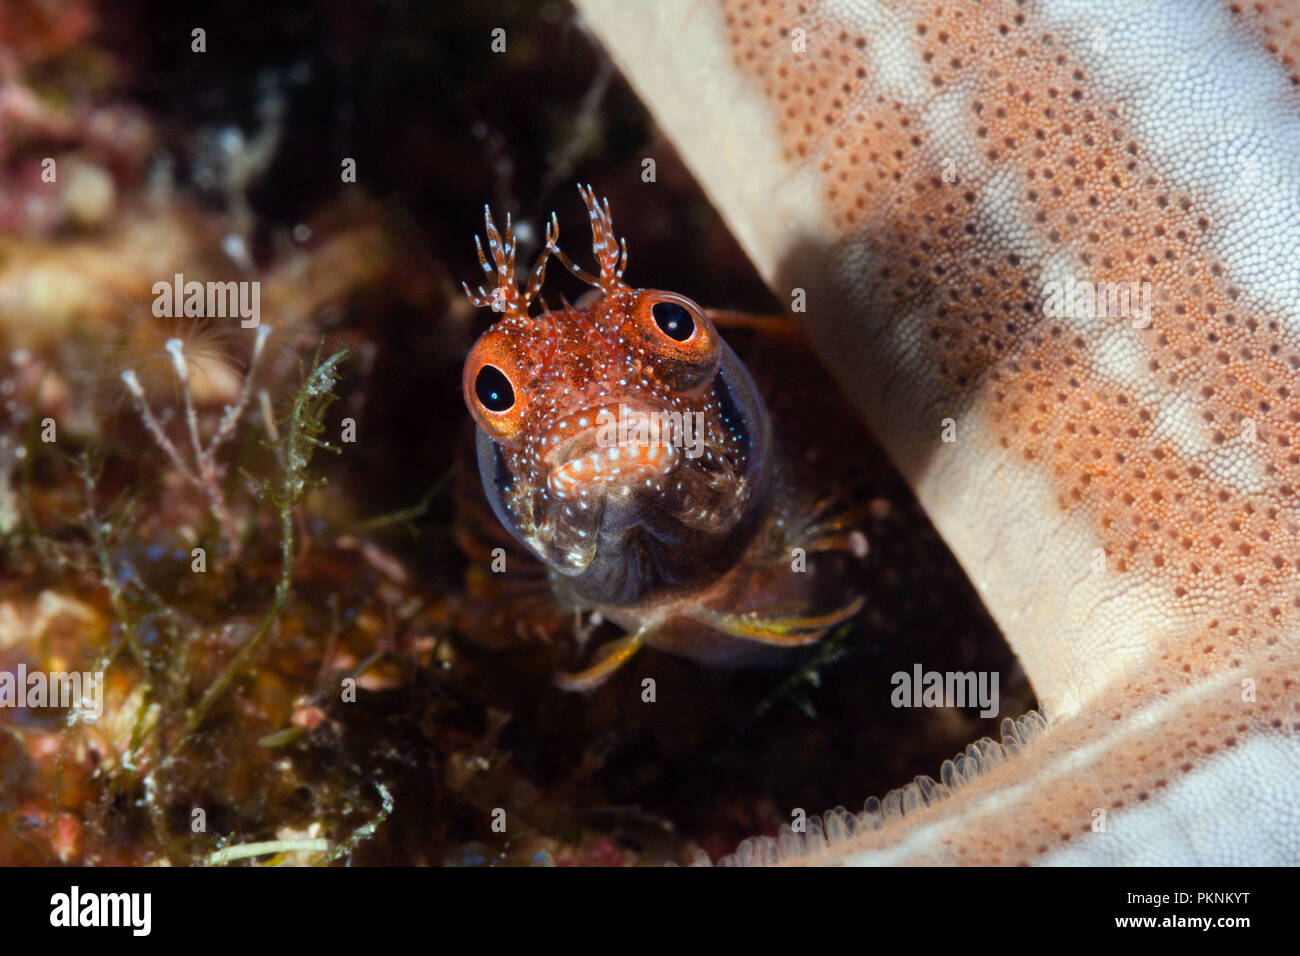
(625, 445)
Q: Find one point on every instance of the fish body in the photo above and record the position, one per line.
(625, 445)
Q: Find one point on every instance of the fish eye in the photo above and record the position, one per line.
(496, 388)
(677, 335)
(673, 320)
(493, 389)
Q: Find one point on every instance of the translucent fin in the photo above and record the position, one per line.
(609, 658)
(789, 630)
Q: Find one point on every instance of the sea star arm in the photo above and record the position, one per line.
(1066, 236)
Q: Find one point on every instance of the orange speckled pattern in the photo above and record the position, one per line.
(549, 392)
(1121, 487)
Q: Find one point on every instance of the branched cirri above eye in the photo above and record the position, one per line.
(493, 389)
(674, 320)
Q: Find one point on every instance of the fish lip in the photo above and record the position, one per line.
(581, 444)
(579, 440)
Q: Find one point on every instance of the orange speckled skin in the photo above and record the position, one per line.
(635, 521)
(1122, 489)
(685, 539)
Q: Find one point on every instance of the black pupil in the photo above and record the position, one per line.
(493, 389)
(674, 321)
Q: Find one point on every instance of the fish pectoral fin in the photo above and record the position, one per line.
(609, 658)
(782, 630)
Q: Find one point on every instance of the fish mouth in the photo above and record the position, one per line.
(601, 449)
